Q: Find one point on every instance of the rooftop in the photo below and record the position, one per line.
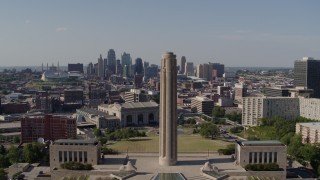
(14, 124)
(132, 105)
(312, 125)
(139, 105)
(260, 143)
(76, 141)
(201, 98)
(96, 112)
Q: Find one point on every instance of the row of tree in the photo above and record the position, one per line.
(30, 153)
(117, 134)
(219, 112)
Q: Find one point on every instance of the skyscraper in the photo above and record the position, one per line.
(112, 61)
(138, 66)
(207, 71)
(126, 63)
(100, 68)
(183, 65)
(168, 110)
(219, 68)
(200, 71)
(126, 59)
(189, 69)
(307, 75)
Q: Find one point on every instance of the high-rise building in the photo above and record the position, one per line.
(90, 69)
(200, 71)
(219, 69)
(168, 110)
(240, 91)
(112, 61)
(207, 71)
(75, 67)
(189, 69)
(48, 127)
(255, 108)
(183, 64)
(151, 71)
(307, 75)
(119, 67)
(138, 66)
(202, 105)
(100, 68)
(126, 70)
(126, 59)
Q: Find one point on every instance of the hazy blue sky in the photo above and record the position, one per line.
(236, 33)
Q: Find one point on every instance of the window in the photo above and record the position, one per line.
(60, 156)
(65, 154)
(70, 156)
(275, 158)
(265, 157)
(270, 157)
(255, 157)
(250, 157)
(260, 157)
(75, 156)
(85, 157)
(80, 156)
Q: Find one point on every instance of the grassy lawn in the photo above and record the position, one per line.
(259, 132)
(186, 143)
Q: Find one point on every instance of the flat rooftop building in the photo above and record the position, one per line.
(202, 105)
(133, 114)
(76, 150)
(49, 127)
(310, 132)
(261, 152)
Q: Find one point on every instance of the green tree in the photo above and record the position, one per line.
(33, 152)
(13, 155)
(4, 161)
(209, 130)
(3, 174)
(16, 139)
(97, 132)
(218, 112)
(2, 149)
(294, 148)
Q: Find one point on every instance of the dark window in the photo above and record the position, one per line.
(275, 157)
(260, 157)
(80, 156)
(60, 156)
(85, 157)
(255, 157)
(65, 153)
(265, 157)
(75, 156)
(270, 157)
(250, 157)
(70, 156)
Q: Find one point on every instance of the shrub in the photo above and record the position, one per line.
(109, 151)
(263, 167)
(76, 166)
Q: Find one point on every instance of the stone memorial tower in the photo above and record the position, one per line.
(168, 110)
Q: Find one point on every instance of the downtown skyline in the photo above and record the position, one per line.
(247, 33)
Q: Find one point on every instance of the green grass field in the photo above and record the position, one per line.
(186, 143)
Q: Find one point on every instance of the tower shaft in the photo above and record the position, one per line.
(168, 110)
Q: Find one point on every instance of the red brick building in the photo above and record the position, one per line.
(49, 127)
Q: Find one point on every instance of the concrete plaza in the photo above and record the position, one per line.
(188, 164)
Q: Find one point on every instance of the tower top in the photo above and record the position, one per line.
(169, 55)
